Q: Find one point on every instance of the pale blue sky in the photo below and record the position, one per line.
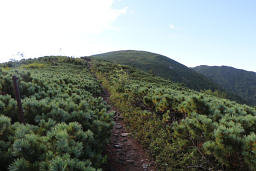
(211, 32)
(192, 32)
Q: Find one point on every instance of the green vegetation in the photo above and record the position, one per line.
(161, 66)
(169, 69)
(34, 66)
(236, 81)
(67, 124)
(181, 128)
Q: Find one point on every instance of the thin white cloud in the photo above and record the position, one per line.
(172, 26)
(113, 28)
(42, 27)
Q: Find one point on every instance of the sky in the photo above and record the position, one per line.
(192, 32)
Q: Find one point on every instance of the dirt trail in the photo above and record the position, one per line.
(124, 153)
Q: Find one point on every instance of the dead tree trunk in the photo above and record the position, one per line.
(17, 95)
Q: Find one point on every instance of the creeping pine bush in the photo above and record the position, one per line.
(66, 121)
(181, 128)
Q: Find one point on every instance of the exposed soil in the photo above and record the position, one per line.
(124, 152)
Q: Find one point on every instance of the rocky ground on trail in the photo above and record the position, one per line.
(124, 152)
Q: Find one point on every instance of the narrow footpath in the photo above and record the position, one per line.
(124, 152)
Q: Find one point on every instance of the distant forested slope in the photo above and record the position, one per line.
(237, 81)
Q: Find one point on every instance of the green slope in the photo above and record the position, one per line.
(237, 81)
(67, 125)
(161, 66)
(182, 129)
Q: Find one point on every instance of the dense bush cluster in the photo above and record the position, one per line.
(182, 128)
(66, 121)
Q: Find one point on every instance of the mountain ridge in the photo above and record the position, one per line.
(233, 80)
(226, 66)
(169, 68)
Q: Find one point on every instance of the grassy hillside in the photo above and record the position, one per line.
(159, 65)
(237, 81)
(182, 129)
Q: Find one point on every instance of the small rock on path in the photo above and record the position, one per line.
(124, 152)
